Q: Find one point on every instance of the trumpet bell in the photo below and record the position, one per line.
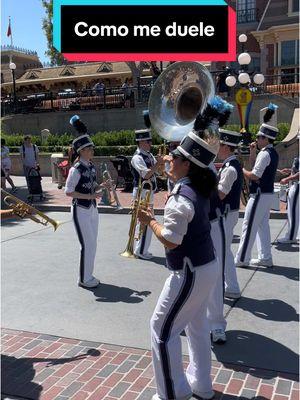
(179, 94)
(127, 254)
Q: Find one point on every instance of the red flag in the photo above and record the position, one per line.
(8, 30)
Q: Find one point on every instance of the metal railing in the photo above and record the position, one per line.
(115, 97)
(87, 99)
(18, 49)
(245, 16)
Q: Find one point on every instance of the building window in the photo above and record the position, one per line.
(295, 6)
(289, 52)
(246, 11)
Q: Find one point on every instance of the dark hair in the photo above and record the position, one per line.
(271, 141)
(27, 137)
(204, 180)
(3, 142)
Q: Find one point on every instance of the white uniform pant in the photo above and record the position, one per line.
(231, 282)
(293, 212)
(256, 226)
(142, 245)
(86, 225)
(183, 305)
(216, 299)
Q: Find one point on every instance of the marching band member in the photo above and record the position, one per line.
(218, 235)
(82, 187)
(144, 167)
(229, 190)
(224, 216)
(193, 266)
(256, 219)
(292, 233)
(193, 269)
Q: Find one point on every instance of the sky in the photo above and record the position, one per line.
(26, 24)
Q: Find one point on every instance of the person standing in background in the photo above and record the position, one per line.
(29, 155)
(6, 164)
(292, 234)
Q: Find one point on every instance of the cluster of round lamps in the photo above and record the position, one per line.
(244, 59)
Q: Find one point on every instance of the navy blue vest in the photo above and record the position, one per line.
(136, 176)
(86, 184)
(197, 243)
(232, 200)
(266, 182)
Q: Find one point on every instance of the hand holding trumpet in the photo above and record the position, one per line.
(145, 215)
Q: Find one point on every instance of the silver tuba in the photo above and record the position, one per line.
(179, 94)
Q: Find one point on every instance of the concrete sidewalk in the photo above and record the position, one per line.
(40, 295)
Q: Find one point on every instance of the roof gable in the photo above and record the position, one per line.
(67, 71)
(105, 67)
(33, 74)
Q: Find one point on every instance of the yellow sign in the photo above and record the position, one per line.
(243, 97)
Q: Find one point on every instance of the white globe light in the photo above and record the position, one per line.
(243, 38)
(258, 79)
(244, 78)
(244, 59)
(230, 80)
(12, 65)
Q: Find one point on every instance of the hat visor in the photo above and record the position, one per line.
(176, 153)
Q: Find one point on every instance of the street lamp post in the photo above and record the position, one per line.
(246, 88)
(12, 67)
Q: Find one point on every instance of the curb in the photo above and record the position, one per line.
(126, 210)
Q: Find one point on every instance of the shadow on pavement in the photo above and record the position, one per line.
(115, 294)
(248, 349)
(221, 396)
(291, 248)
(270, 309)
(159, 260)
(287, 272)
(17, 374)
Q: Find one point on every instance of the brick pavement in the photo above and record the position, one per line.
(40, 366)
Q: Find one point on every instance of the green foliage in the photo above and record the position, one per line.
(113, 143)
(56, 58)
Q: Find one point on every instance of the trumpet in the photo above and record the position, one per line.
(22, 210)
(138, 203)
(245, 194)
(108, 179)
(162, 152)
(144, 204)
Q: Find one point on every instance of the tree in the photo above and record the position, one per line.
(56, 58)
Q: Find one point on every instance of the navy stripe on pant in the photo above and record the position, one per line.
(80, 237)
(249, 227)
(222, 229)
(182, 297)
(293, 222)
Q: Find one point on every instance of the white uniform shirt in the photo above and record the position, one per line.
(28, 155)
(263, 159)
(227, 177)
(73, 178)
(139, 164)
(179, 212)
